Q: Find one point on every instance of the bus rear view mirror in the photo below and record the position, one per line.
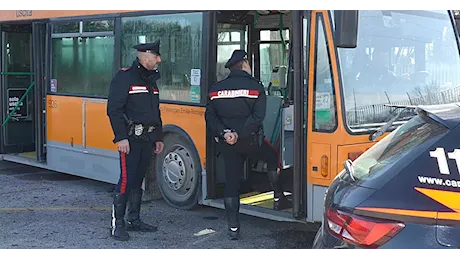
(346, 28)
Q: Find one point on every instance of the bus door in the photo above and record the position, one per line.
(41, 60)
(273, 67)
(266, 38)
(17, 95)
(232, 32)
(22, 57)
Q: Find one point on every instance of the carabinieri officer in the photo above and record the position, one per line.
(133, 110)
(234, 115)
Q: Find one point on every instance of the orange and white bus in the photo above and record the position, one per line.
(329, 77)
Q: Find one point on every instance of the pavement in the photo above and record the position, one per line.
(46, 209)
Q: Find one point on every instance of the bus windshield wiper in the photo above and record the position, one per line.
(377, 133)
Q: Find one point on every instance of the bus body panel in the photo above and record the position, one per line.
(83, 145)
(69, 110)
(26, 14)
(23, 15)
(315, 202)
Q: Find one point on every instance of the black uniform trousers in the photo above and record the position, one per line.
(129, 188)
(134, 165)
(234, 157)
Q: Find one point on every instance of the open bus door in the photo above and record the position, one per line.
(298, 93)
(40, 39)
(22, 92)
(258, 35)
(17, 81)
(229, 31)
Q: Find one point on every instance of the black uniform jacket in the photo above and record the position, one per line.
(237, 103)
(134, 92)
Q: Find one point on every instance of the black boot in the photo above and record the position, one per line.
(118, 231)
(232, 208)
(134, 208)
(280, 202)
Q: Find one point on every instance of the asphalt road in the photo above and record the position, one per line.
(45, 209)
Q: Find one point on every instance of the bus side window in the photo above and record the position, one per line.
(83, 55)
(324, 117)
(180, 37)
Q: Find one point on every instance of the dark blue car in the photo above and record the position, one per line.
(404, 192)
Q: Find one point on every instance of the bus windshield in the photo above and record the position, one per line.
(402, 58)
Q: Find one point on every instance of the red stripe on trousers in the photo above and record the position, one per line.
(124, 176)
(276, 151)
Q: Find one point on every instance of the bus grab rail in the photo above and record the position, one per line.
(23, 96)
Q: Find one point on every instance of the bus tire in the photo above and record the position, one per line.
(178, 172)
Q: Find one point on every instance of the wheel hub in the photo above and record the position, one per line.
(174, 170)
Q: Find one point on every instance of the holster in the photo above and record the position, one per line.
(129, 124)
(259, 137)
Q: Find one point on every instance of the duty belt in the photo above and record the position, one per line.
(139, 129)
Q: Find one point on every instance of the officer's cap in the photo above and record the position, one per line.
(149, 47)
(237, 56)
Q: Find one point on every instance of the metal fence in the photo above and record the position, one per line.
(380, 113)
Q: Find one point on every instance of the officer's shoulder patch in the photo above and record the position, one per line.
(125, 69)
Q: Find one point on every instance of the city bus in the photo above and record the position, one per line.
(336, 82)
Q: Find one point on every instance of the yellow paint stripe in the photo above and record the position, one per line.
(55, 208)
(31, 155)
(257, 198)
(250, 194)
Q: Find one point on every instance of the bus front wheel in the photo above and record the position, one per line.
(178, 172)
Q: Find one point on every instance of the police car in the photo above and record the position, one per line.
(404, 192)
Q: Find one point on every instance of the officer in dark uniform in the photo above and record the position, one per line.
(133, 109)
(234, 114)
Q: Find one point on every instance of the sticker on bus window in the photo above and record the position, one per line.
(14, 96)
(195, 94)
(195, 77)
(53, 85)
(322, 116)
(141, 39)
(323, 100)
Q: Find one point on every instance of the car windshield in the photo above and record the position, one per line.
(402, 58)
(418, 131)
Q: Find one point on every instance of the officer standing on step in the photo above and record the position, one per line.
(234, 115)
(133, 109)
